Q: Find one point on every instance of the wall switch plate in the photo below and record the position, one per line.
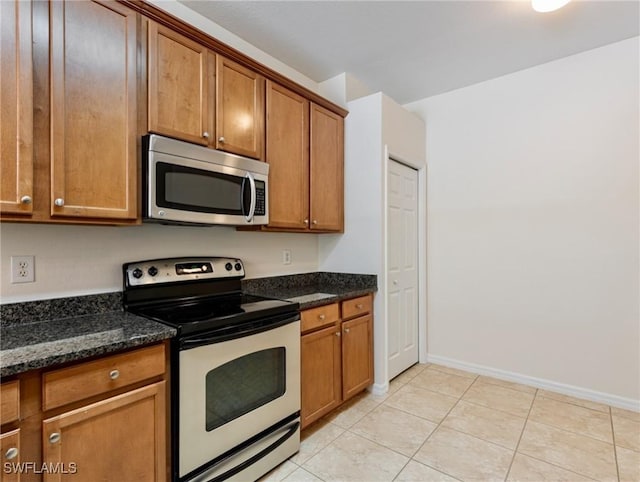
(23, 269)
(286, 256)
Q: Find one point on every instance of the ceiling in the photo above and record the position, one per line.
(415, 49)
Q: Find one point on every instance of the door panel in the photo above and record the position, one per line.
(402, 267)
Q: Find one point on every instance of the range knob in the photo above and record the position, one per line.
(238, 266)
(137, 273)
(228, 266)
(152, 271)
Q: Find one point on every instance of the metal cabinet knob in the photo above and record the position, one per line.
(113, 374)
(306, 222)
(221, 139)
(322, 317)
(59, 202)
(205, 135)
(359, 306)
(54, 437)
(346, 330)
(338, 333)
(26, 200)
(315, 221)
(11, 453)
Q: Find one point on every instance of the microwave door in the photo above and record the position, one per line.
(249, 197)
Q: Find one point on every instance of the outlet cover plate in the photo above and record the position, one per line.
(23, 269)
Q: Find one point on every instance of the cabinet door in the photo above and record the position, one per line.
(240, 109)
(16, 108)
(10, 450)
(93, 110)
(357, 356)
(320, 373)
(120, 438)
(179, 104)
(327, 170)
(288, 158)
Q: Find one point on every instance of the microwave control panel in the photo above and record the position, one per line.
(261, 199)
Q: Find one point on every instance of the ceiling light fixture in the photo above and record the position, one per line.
(547, 5)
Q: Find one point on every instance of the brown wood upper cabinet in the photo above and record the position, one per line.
(327, 170)
(93, 110)
(179, 93)
(198, 96)
(305, 155)
(16, 108)
(240, 109)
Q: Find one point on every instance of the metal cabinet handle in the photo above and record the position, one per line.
(346, 330)
(315, 221)
(306, 222)
(59, 202)
(11, 453)
(54, 437)
(26, 200)
(113, 374)
(322, 317)
(221, 139)
(338, 333)
(205, 135)
(359, 306)
(395, 281)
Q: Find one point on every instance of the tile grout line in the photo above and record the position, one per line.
(437, 427)
(524, 427)
(581, 434)
(615, 450)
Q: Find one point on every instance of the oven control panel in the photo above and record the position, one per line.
(172, 270)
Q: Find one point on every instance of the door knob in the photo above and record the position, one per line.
(59, 202)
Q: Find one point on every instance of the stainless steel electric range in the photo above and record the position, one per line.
(235, 369)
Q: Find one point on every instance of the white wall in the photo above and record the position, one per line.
(74, 260)
(533, 222)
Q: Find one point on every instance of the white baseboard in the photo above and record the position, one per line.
(578, 392)
(379, 388)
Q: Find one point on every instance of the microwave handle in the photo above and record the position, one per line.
(252, 206)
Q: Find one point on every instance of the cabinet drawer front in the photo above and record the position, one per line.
(320, 316)
(356, 307)
(85, 380)
(10, 401)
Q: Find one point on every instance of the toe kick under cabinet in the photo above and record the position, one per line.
(336, 355)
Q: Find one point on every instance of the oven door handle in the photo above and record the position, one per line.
(221, 335)
(250, 461)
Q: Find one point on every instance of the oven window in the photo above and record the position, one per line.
(244, 384)
(185, 188)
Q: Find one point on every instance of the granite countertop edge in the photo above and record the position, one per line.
(47, 344)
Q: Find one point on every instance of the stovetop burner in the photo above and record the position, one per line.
(195, 295)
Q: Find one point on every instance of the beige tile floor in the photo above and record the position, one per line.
(441, 424)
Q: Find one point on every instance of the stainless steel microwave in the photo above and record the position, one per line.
(189, 184)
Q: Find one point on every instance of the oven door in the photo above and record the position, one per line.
(232, 390)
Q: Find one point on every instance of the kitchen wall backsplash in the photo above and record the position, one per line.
(84, 260)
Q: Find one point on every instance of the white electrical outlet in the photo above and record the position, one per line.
(286, 256)
(23, 269)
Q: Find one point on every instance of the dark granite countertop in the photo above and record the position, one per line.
(40, 334)
(45, 333)
(313, 289)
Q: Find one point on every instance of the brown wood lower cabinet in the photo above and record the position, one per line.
(336, 355)
(99, 420)
(94, 441)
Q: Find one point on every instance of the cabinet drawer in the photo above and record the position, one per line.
(320, 316)
(85, 380)
(356, 307)
(9, 401)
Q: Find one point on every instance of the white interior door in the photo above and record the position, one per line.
(402, 267)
